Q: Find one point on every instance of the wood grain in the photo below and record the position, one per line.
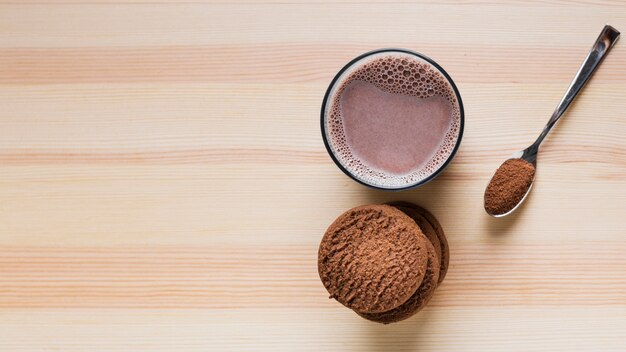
(164, 186)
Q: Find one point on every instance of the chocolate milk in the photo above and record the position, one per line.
(392, 119)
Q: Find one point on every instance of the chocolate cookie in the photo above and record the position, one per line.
(372, 258)
(432, 229)
(418, 300)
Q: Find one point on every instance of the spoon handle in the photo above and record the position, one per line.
(603, 44)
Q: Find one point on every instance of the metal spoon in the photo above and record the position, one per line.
(603, 44)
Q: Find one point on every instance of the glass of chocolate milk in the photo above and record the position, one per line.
(392, 119)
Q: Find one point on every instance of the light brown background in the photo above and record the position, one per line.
(164, 186)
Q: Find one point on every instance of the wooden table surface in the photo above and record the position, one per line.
(164, 185)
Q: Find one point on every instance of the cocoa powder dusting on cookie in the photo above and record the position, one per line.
(508, 186)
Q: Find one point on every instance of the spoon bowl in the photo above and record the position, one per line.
(530, 157)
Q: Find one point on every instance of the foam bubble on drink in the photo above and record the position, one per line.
(396, 73)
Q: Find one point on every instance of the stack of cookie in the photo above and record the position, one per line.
(383, 261)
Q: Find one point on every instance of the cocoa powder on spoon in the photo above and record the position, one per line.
(508, 186)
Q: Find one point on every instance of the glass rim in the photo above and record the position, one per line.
(340, 74)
